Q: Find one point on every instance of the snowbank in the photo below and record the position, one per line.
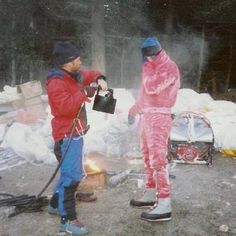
(111, 135)
(9, 94)
(189, 100)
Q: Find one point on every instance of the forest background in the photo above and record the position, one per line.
(199, 35)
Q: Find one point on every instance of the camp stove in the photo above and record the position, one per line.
(191, 139)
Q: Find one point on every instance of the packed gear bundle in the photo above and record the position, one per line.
(191, 139)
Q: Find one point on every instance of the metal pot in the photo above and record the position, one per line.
(104, 103)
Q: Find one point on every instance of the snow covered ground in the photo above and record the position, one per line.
(110, 134)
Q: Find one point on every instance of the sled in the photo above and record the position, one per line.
(191, 139)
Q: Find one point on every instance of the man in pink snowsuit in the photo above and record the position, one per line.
(160, 84)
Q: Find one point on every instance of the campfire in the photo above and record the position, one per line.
(96, 177)
(91, 167)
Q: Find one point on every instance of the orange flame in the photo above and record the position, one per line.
(91, 166)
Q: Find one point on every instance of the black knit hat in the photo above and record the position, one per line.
(65, 52)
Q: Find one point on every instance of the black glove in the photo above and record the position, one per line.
(90, 91)
(131, 120)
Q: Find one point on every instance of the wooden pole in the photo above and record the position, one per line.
(201, 57)
(13, 54)
(227, 82)
(98, 39)
(122, 64)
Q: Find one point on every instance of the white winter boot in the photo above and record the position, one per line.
(159, 212)
(146, 199)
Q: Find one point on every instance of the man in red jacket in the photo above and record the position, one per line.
(160, 84)
(68, 90)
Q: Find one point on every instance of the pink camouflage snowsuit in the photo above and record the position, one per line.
(160, 84)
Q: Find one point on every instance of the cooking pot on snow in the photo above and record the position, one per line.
(104, 103)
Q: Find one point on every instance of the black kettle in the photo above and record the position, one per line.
(105, 103)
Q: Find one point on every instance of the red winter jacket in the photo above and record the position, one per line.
(65, 96)
(160, 84)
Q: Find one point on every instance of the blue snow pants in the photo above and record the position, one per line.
(71, 173)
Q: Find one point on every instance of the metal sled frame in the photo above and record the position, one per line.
(191, 139)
